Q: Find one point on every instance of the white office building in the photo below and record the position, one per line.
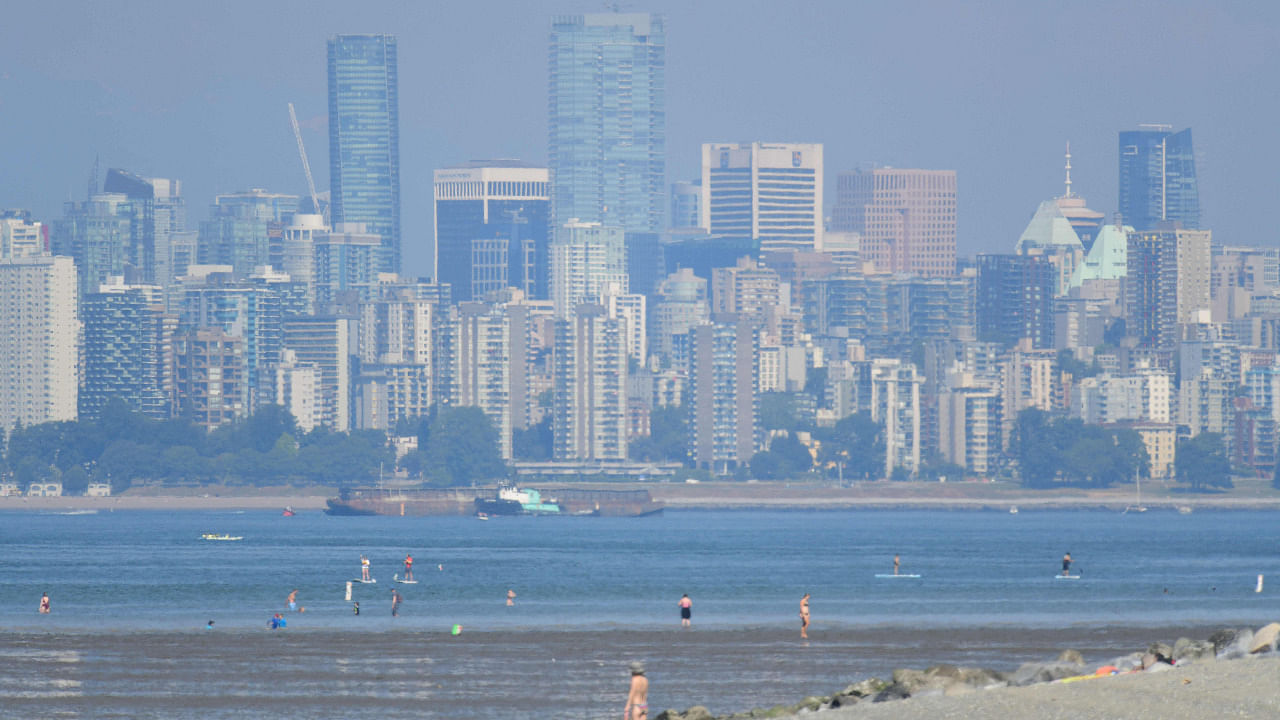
(768, 191)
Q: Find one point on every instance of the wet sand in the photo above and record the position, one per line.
(254, 672)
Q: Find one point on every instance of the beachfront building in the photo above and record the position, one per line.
(324, 343)
(39, 341)
(209, 377)
(969, 428)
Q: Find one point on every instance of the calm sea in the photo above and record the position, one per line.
(132, 592)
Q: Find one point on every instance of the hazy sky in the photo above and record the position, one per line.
(198, 92)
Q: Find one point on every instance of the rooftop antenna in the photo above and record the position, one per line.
(1068, 170)
(306, 166)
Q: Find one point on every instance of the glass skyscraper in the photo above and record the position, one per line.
(607, 147)
(1158, 178)
(364, 138)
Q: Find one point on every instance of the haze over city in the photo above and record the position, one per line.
(991, 90)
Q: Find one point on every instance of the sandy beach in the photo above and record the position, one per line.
(1245, 688)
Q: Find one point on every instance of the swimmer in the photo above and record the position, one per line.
(396, 599)
(686, 611)
(44, 604)
(355, 608)
(511, 597)
(804, 616)
(293, 600)
(896, 564)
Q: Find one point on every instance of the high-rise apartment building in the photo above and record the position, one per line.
(1015, 299)
(159, 213)
(589, 418)
(39, 341)
(724, 369)
(99, 235)
(585, 259)
(607, 124)
(1158, 178)
(492, 209)
(895, 402)
(768, 192)
(1168, 283)
(128, 351)
(325, 343)
(345, 266)
(364, 139)
(209, 377)
(907, 218)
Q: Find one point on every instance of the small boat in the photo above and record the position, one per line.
(482, 516)
(288, 512)
(223, 537)
(1184, 510)
(1013, 510)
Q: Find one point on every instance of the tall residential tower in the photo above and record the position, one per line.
(1158, 178)
(364, 138)
(607, 122)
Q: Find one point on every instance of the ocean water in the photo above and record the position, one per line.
(132, 591)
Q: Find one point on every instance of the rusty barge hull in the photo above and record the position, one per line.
(462, 501)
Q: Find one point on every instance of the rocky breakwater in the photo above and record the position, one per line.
(1069, 666)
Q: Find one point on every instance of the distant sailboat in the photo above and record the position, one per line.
(1139, 507)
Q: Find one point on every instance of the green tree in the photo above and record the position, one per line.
(1202, 462)
(778, 411)
(786, 457)
(463, 447)
(536, 442)
(668, 439)
(854, 448)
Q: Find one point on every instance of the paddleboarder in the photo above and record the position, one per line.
(1066, 565)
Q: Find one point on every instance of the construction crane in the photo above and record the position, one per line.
(306, 166)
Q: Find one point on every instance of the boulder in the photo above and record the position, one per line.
(1188, 650)
(697, 712)
(1149, 660)
(892, 692)
(1265, 639)
(910, 681)
(1032, 673)
(1222, 640)
(1163, 652)
(811, 703)
(864, 688)
(668, 715)
(844, 700)
(1071, 656)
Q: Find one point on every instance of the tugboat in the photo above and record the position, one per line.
(514, 501)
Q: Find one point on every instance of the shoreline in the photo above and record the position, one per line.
(967, 497)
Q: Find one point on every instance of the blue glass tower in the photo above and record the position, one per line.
(364, 138)
(607, 104)
(1158, 178)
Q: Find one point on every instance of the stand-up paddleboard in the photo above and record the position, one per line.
(899, 575)
(402, 581)
(1060, 576)
(365, 582)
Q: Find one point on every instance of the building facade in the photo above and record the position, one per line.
(500, 206)
(589, 419)
(39, 341)
(1158, 178)
(724, 367)
(770, 192)
(607, 123)
(906, 218)
(364, 139)
(128, 351)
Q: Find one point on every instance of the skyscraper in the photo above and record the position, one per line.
(478, 203)
(590, 366)
(607, 122)
(907, 218)
(364, 138)
(724, 368)
(585, 259)
(245, 230)
(1158, 178)
(128, 350)
(771, 192)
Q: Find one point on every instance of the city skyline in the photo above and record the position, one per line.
(213, 116)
